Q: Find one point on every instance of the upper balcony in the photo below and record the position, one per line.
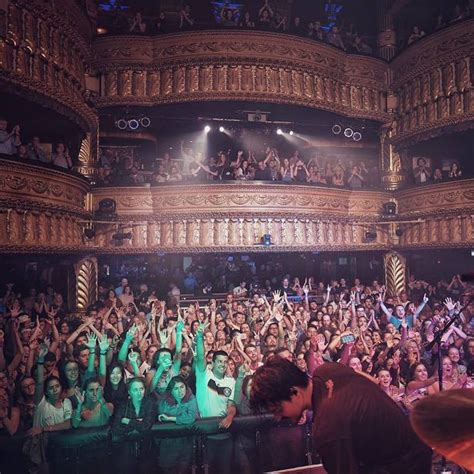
(44, 52)
(239, 65)
(433, 81)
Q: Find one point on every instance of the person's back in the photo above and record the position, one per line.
(351, 412)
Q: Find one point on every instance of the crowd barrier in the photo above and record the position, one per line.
(259, 445)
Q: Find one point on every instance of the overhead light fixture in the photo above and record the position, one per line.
(221, 129)
(348, 132)
(357, 136)
(133, 124)
(207, 128)
(336, 129)
(279, 131)
(145, 122)
(121, 124)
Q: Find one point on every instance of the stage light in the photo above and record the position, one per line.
(291, 132)
(348, 132)
(357, 137)
(279, 131)
(133, 124)
(221, 129)
(267, 240)
(389, 208)
(336, 129)
(207, 129)
(121, 124)
(145, 122)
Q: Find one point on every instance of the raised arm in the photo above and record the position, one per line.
(200, 351)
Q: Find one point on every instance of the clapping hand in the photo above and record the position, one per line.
(80, 396)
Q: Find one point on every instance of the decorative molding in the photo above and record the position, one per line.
(41, 186)
(86, 273)
(44, 56)
(456, 196)
(255, 66)
(256, 198)
(395, 273)
(434, 84)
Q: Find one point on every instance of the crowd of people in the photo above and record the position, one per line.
(238, 166)
(445, 17)
(424, 173)
(12, 145)
(267, 18)
(137, 358)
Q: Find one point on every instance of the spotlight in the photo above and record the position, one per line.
(221, 129)
(145, 122)
(398, 231)
(389, 208)
(291, 132)
(279, 131)
(348, 132)
(121, 124)
(336, 129)
(207, 128)
(357, 137)
(133, 124)
(267, 240)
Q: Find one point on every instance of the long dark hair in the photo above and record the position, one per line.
(169, 397)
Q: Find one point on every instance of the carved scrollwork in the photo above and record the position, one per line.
(433, 82)
(244, 65)
(86, 283)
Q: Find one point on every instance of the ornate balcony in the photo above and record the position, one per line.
(239, 65)
(43, 56)
(433, 81)
(40, 208)
(44, 209)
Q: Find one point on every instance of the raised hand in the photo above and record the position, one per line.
(425, 298)
(276, 296)
(15, 309)
(449, 303)
(133, 357)
(43, 351)
(131, 332)
(305, 289)
(91, 341)
(179, 326)
(104, 343)
(80, 395)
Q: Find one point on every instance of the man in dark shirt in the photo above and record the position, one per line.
(357, 428)
(263, 172)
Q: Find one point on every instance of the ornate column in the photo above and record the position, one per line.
(391, 171)
(88, 154)
(395, 266)
(86, 283)
(387, 38)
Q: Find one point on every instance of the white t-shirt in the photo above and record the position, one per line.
(212, 394)
(47, 414)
